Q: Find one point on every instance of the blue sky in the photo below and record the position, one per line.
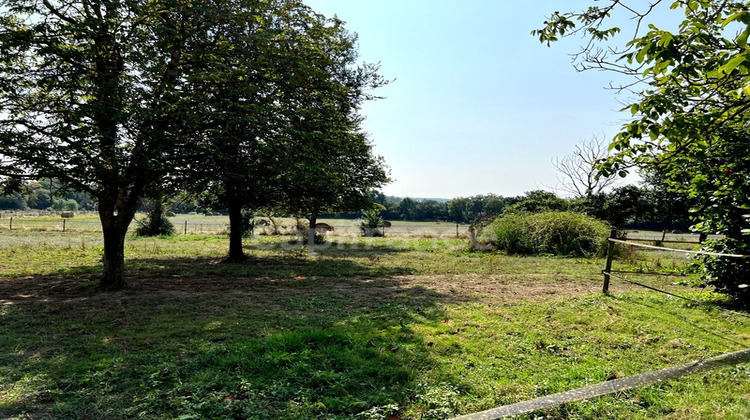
(478, 105)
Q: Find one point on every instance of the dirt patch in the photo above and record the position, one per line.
(500, 288)
(265, 291)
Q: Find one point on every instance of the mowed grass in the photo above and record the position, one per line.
(367, 328)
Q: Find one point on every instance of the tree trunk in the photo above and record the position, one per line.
(114, 258)
(311, 233)
(115, 228)
(156, 209)
(236, 254)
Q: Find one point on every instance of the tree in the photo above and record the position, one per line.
(90, 95)
(237, 88)
(668, 200)
(330, 166)
(495, 205)
(14, 201)
(623, 206)
(578, 174)
(430, 210)
(281, 129)
(538, 201)
(334, 174)
(693, 87)
(407, 208)
(457, 209)
(156, 223)
(477, 208)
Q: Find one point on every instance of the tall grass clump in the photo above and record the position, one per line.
(551, 232)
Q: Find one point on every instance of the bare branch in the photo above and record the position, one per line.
(577, 172)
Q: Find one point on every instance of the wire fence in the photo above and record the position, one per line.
(207, 225)
(609, 273)
(635, 381)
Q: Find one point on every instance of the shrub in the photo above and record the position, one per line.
(371, 223)
(248, 223)
(729, 275)
(559, 233)
(155, 227)
(156, 224)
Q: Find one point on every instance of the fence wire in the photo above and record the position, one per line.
(630, 382)
(675, 295)
(611, 274)
(619, 241)
(214, 226)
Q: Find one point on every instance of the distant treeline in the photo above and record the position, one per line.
(649, 206)
(47, 194)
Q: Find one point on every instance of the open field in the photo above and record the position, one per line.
(406, 327)
(192, 224)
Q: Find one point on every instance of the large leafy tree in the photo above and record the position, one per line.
(332, 171)
(90, 95)
(248, 55)
(690, 113)
(328, 165)
(325, 160)
(280, 97)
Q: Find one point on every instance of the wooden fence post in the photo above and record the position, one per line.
(608, 265)
(64, 220)
(11, 222)
(185, 231)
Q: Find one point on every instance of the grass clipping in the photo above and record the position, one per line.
(557, 233)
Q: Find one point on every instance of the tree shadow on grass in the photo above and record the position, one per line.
(80, 280)
(192, 338)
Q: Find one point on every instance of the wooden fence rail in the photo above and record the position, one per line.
(609, 387)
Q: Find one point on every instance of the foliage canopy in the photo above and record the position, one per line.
(693, 94)
(116, 99)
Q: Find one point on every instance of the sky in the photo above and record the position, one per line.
(477, 104)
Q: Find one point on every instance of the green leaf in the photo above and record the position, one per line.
(642, 53)
(742, 16)
(742, 39)
(732, 64)
(666, 39)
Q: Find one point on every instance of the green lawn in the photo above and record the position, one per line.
(366, 328)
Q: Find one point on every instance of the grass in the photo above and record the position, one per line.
(365, 328)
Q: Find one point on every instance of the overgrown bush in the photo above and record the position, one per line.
(558, 233)
(248, 223)
(156, 224)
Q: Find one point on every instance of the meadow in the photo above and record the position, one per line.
(402, 327)
(192, 224)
